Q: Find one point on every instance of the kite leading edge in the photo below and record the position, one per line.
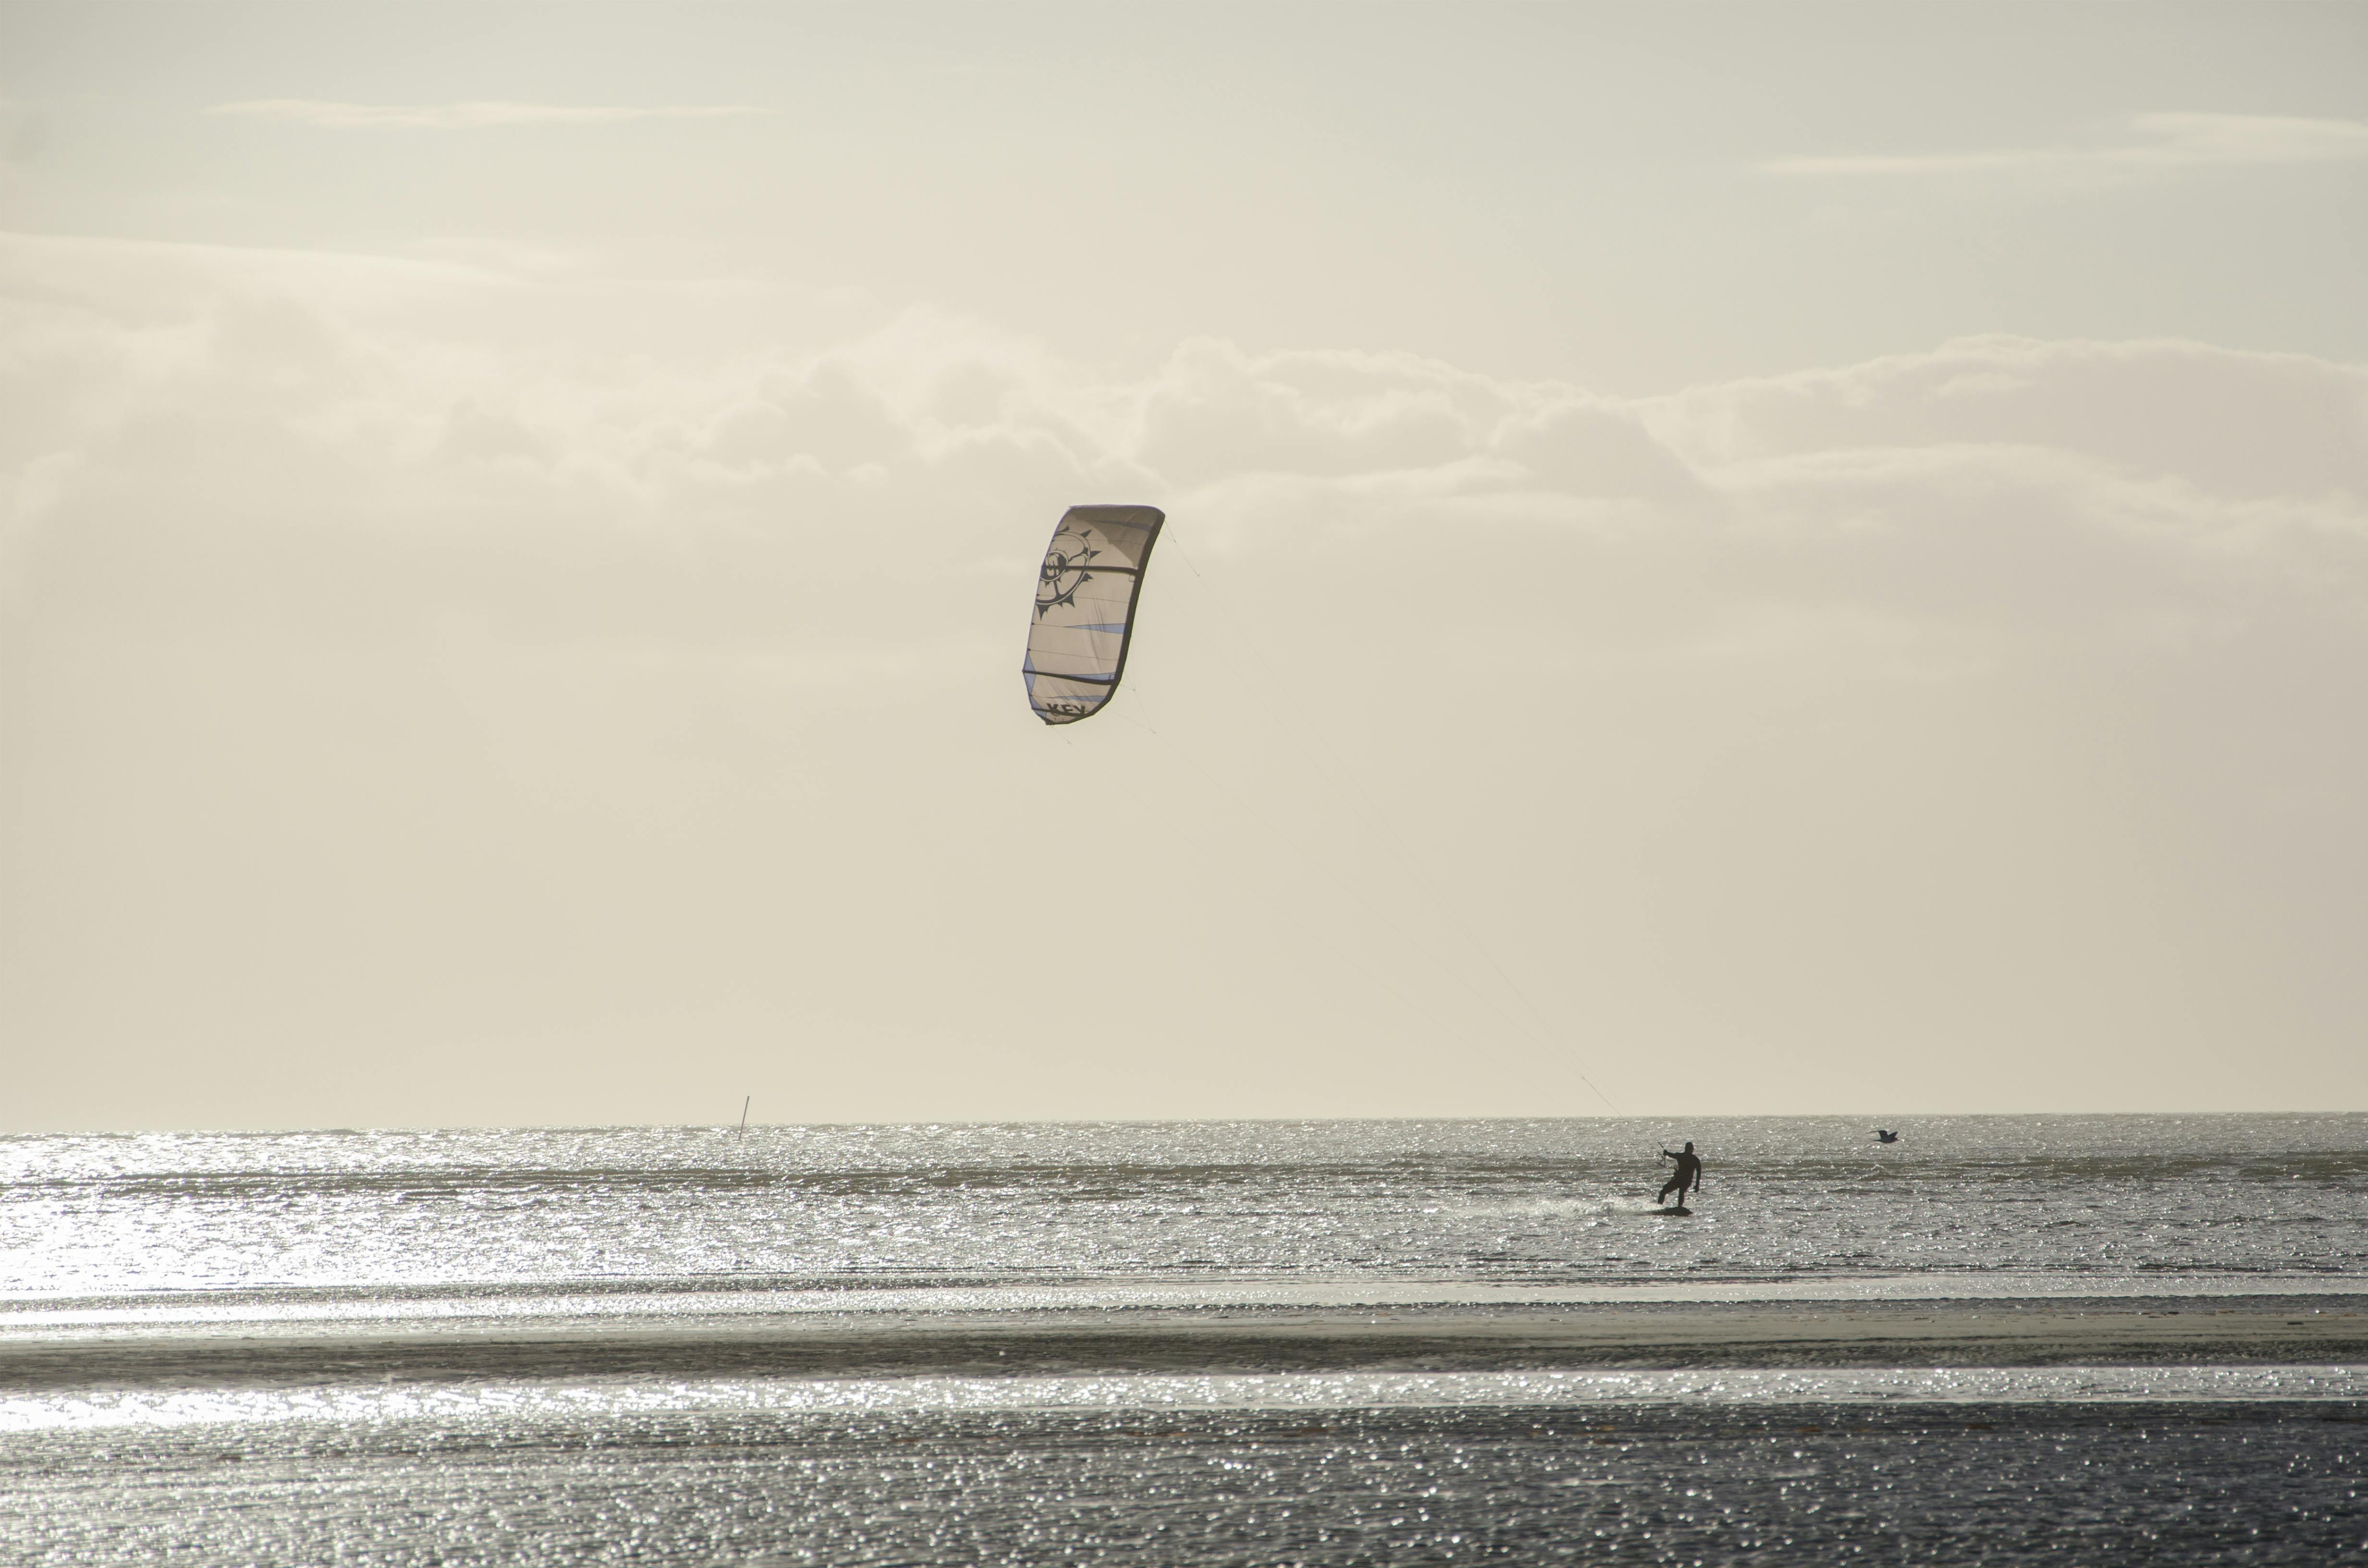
(1085, 593)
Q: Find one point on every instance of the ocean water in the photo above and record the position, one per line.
(194, 1332)
(1556, 1201)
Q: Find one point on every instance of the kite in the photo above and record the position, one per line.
(1085, 593)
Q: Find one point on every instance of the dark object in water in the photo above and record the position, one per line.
(1680, 1212)
(1882, 1136)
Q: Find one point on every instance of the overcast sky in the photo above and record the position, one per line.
(1763, 559)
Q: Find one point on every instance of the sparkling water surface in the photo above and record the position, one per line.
(1816, 1484)
(239, 1238)
(490, 1404)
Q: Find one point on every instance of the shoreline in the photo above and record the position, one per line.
(1225, 1340)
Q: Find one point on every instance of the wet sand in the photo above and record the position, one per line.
(2319, 1330)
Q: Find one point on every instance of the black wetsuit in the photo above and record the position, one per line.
(1689, 1176)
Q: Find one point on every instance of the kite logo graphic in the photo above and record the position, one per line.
(1063, 572)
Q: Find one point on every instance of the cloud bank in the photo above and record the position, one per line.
(2157, 141)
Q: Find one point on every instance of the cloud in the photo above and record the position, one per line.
(2210, 471)
(2235, 423)
(176, 418)
(2160, 140)
(459, 116)
(1215, 411)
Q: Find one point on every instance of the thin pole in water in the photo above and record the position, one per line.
(744, 1111)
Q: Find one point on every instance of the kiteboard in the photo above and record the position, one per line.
(1681, 1212)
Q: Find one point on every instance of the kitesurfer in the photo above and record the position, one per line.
(1688, 1176)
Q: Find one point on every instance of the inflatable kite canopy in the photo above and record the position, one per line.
(1085, 593)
